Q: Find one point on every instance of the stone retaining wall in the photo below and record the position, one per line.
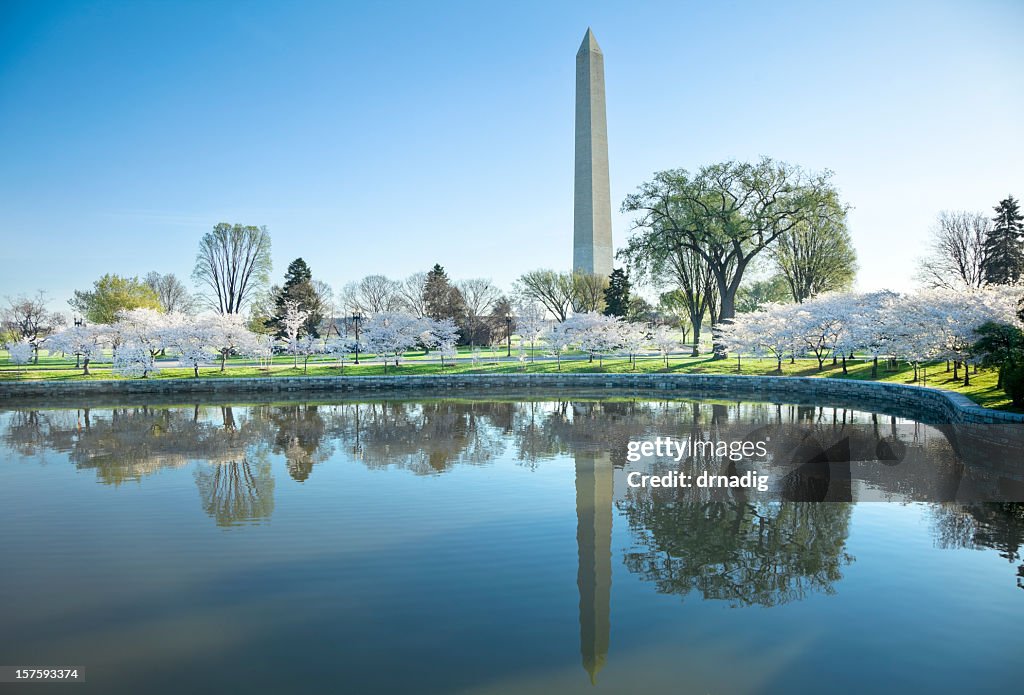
(910, 401)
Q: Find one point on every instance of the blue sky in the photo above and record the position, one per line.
(384, 137)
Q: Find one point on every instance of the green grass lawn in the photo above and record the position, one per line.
(982, 389)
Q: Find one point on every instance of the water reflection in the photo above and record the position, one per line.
(997, 525)
(731, 550)
(594, 546)
(737, 546)
(237, 491)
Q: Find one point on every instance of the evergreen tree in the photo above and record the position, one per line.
(298, 287)
(616, 295)
(442, 299)
(1004, 247)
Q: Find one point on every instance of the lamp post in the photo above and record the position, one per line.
(79, 323)
(356, 319)
(508, 334)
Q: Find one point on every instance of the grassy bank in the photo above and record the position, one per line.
(982, 390)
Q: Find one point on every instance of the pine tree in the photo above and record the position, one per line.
(616, 295)
(442, 299)
(298, 287)
(1004, 247)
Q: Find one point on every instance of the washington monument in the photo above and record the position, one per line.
(592, 205)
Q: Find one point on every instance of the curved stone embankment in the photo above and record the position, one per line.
(916, 402)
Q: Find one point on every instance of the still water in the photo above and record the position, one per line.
(483, 546)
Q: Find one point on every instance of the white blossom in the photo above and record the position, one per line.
(20, 352)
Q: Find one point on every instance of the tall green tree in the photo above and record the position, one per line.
(299, 289)
(816, 255)
(442, 299)
(725, 213)
(616, 295)
(587, 291)
(111, 294)
(1004, 245)
(760, 292)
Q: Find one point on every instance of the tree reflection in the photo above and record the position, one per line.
(299, 436)
(995, 525)
(746, 553)
(428, 438)
(237, 491)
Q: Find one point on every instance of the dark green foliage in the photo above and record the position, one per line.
(1001, 345)
(751, 297)
(1013, 382)
(616, 295)
(1004, 246)
(442, 299)
(298, 287)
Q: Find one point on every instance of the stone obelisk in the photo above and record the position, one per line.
(592, 210)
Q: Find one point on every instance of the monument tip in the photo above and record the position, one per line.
(589, 42)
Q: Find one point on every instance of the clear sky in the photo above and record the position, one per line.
(383, 137)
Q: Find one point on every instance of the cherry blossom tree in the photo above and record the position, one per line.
(559, 337)
(84, 342)
(20, 352)
(191, 340)
(666, 340)
(391, 334)
(531, 324)
(444, 335)
(595, 334)
(293, 321)
(135, 359)
(632, 337)
(820, 321)
(340, 348)
(307, 346)
(871, 324)
(144, 328)
(229, 335)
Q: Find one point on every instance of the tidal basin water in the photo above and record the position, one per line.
(488, 546)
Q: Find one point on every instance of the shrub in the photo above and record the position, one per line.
(1013, 382)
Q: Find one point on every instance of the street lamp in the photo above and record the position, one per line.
(356, 319)
(508, 333)
(79, 323)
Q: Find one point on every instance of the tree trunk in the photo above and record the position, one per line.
(874, 368)
(844, 365)
(696, 322)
